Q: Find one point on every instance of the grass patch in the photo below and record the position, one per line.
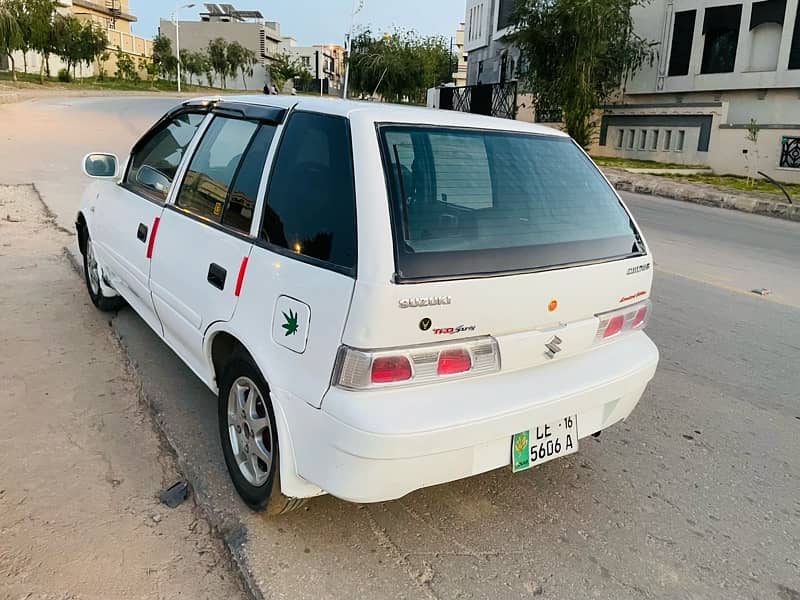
(632, 163)
(32, 81)
(734, 182)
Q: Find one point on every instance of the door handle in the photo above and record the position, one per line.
(216, 276)
(142, 232)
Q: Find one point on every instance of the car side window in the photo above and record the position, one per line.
(209, 180)
(155, 163)
(310, 208)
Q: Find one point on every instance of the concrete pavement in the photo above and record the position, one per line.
(694, 497)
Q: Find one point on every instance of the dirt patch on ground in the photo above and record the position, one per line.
(82, 465)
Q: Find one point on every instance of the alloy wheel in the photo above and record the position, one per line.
(250, 431)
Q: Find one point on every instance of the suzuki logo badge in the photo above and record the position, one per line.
(553, 347)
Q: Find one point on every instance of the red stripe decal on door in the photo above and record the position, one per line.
(240, 278)
(152, 241)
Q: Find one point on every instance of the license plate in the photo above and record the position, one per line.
(543, 443)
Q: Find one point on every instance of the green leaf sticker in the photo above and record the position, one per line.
(520, 451)
(291, 326)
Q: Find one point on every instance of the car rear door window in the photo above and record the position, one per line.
(155, 162)
(473, 202)
(310, 208)
(222, 180)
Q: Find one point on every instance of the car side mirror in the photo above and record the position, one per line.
(101, 166)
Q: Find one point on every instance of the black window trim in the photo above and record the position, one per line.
(316, 262)
(197, 107)
(399, 278)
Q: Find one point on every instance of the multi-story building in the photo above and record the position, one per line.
(460, 73)
(322, 61)
(247, 27)
(115, 18)
(721, 67)
(491, 59)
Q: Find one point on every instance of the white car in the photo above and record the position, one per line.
(384, 298)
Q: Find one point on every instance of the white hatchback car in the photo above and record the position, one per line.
(384, 298)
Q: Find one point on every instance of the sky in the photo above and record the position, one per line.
(322, 21)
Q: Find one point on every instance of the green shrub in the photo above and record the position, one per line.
(64, 76)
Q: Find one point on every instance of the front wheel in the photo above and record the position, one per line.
(250, 438)
(92, 275)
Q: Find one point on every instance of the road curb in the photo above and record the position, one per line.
(701, 194)
(232, 535)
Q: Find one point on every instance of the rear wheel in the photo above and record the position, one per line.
(250, 438)
(92, 274)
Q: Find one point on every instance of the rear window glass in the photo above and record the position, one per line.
(472, 202)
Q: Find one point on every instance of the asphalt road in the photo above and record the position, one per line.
(695, 496)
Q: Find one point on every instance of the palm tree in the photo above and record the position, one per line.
(10, 36)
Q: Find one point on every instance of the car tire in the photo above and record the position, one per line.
(250, 438)
(91, 274)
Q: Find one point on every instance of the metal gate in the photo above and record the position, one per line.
(495, 99)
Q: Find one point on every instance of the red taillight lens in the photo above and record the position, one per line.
(624, 320)
(640, 318)
(614, 326)
(389, 369)
(454, 361)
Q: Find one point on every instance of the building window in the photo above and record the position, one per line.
(794, 50)
(642, 139)
(631, 138)
(306, 60)
(721, 30)
(790, 152)
(620, 137)
(505, 14)
(680, 141)
(682, 34)
(667, 140)
(654, 139)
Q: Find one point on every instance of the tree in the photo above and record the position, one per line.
(126, 68)
(753, 129)
(240, 59)
(10, 36)
(578, 53)
(284, 68)
(400, 65)
(66, 40)
(41, 34)
(93, 44)
(164, 59)
(218, 57)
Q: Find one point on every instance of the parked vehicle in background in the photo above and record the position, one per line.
(383, 298)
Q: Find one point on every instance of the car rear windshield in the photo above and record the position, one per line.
(481, 203)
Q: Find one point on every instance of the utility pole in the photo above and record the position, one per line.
(178, 39)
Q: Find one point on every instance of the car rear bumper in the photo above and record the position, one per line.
(381, 445)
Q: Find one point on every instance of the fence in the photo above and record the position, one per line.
(495, 100)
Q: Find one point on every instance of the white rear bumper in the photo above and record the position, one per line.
(375, 446)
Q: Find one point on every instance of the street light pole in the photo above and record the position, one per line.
(178, 39)
(357, 6)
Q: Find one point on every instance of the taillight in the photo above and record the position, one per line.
(366, 369)
(390, 369)
(452, 362)
(630, 318)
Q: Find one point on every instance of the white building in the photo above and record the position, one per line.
(490, 57)
(460, 74)
(719, 66)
